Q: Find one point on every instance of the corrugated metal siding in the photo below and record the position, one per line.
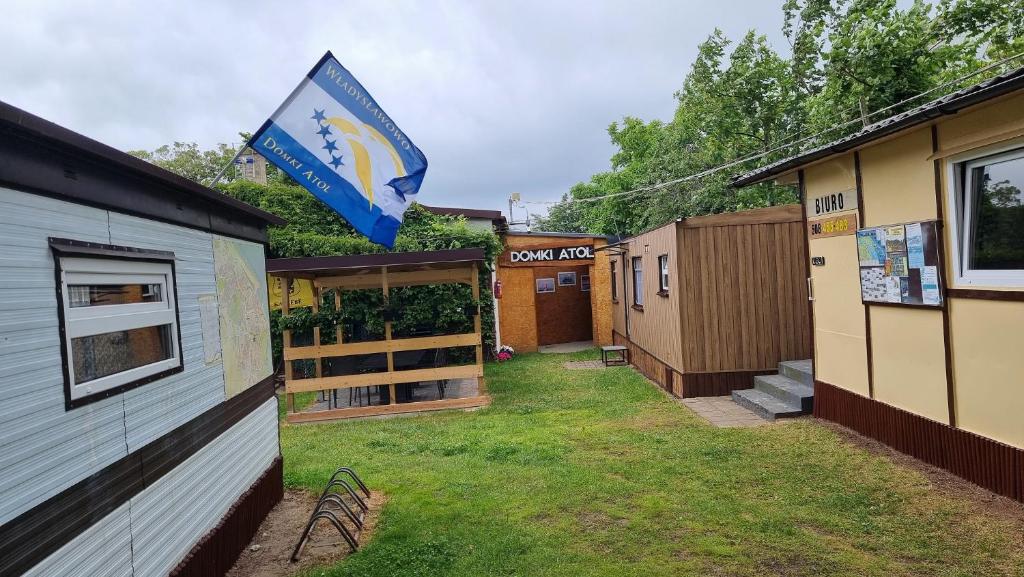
(43, 448)
(166, 526)
(103, 550)
(159, 407)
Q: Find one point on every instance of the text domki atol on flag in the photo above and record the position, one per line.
(333, 138)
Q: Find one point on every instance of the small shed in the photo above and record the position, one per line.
(705, 304)
(140, 428)
(338, 274)
(553, 289)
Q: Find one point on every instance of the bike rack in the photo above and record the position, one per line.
(332, 501)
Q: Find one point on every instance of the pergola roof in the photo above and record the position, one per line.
(359, 264)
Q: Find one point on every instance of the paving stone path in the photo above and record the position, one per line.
(723, 412)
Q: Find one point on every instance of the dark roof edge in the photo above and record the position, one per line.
(314, 263)
(608, 237)
(50, 133)
(466, 212)
(945, 106)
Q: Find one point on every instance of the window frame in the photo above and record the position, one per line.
(960, 199)
(663, 274)
(638, 281)
(78, 262)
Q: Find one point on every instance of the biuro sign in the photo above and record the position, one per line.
(552, 254)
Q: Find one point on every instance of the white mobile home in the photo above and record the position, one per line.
(138, 428)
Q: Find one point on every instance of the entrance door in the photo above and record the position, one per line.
(563, 306)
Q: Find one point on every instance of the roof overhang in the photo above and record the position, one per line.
(89, 166)
(354, 265)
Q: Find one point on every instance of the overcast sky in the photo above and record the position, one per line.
(501, 97)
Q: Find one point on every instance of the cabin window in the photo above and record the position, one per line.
(120, 323)
(638, 281)
(663, 274)
(991, 220)
(615, 284)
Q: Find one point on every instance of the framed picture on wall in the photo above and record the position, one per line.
(585, 283)
(566, 279)
(545, 285)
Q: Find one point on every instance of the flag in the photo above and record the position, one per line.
(332, 137)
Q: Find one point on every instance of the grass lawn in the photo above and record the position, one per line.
(582, 473)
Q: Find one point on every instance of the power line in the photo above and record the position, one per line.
(735, 162)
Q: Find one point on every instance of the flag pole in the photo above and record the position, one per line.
(229, 164)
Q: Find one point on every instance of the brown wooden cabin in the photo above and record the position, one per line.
(384, 271)
(705, 304)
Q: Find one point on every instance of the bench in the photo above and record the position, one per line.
(614, 355)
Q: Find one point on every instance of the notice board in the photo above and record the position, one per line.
(899, 264)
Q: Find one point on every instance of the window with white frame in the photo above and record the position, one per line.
(989, 250)
(638, 281)
(663, 274)
(120, 323)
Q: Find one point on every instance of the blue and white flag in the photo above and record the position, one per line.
(333, 138)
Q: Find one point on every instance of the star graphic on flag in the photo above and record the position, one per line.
(324, 131)
(318, 116)
(330, 146)
(335, 162)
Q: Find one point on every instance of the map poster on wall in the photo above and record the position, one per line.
(243, 309)
(899, 264)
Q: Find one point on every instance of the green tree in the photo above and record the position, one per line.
(848, 59)
(188, 160)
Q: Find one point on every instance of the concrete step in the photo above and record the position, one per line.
(765, 405)
(801, 371)
(787, 390)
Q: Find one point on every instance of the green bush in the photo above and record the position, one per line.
(313, 229)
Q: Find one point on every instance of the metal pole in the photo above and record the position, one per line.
(230, 163)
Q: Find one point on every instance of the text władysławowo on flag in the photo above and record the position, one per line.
(332, 138)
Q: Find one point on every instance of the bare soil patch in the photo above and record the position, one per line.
(269, 553)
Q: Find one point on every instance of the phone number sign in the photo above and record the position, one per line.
(832, 226)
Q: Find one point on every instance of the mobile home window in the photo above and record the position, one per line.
(638, 281)
(615, 284)
(663, 274)
(991, 220)
(119, 321)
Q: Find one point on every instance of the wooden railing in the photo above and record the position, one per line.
(318, 351)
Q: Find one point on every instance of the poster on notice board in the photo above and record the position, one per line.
(899, 264)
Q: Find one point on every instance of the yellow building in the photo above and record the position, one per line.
(554, 288)
(915, 230)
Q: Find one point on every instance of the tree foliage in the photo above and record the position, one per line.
(848, 58)
(313, 229)
(202, 165)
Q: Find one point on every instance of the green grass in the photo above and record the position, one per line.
(585, 473)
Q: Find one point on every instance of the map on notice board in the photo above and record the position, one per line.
(244, 322)
(899, 264)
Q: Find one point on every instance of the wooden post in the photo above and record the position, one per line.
(337, 309)
(316, 342)
(387, 331)
(482, 387)
(286, 342)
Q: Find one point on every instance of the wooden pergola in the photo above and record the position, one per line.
(383, 271)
